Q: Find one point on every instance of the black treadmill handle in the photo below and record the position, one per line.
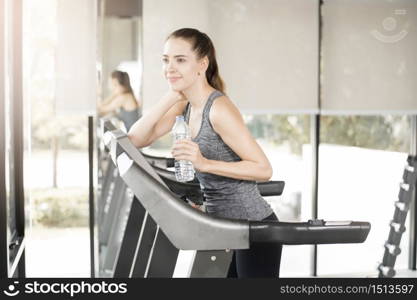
(170, 162)
(185, 190)
(167, 162)
(271, 188)
(311, 232)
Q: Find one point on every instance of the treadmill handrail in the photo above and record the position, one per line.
(266, 188)
(309, 232)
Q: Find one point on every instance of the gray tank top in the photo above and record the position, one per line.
(129, 117)
(225, 197)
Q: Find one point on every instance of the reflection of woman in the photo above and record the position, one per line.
(121, 100)
(227, 159)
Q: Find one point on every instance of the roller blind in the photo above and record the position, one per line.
(369, 57)
(268, 53)
(76, 83)
(123, 8)
(267, 50)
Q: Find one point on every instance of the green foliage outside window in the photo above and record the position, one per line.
(391, 133)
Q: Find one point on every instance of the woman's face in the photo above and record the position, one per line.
(114, 85)
(180, 65)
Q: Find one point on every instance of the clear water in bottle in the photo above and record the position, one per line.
(184, 170)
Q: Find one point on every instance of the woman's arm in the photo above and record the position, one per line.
(228, 123)
(110, 106)
(158, 120)
(109, 99)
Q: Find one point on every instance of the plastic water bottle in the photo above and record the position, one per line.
(184, 170)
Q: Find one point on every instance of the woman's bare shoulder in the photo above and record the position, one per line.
(223, 106)
(128, 100)
(128, 97)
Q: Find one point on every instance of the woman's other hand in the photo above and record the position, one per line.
(188, 150)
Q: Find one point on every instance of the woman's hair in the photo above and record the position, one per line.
(123, 79)
(202, 45)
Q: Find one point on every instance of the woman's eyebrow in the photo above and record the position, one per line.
(180, 55)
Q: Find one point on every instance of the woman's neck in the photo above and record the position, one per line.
(197, 95)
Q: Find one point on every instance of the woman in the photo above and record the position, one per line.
(121, 100)
(227, 159)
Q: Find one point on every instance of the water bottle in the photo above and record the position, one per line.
(184, 170)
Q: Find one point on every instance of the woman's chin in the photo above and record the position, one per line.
(176, 87)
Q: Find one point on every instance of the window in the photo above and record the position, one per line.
(360, 166)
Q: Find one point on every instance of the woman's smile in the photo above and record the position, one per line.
(173, 79)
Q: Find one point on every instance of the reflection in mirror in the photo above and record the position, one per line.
(120, 60)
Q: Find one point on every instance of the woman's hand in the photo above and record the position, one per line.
(174, 96)
(188, 150)
(199, 207)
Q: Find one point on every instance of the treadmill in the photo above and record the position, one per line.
(160, 225)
